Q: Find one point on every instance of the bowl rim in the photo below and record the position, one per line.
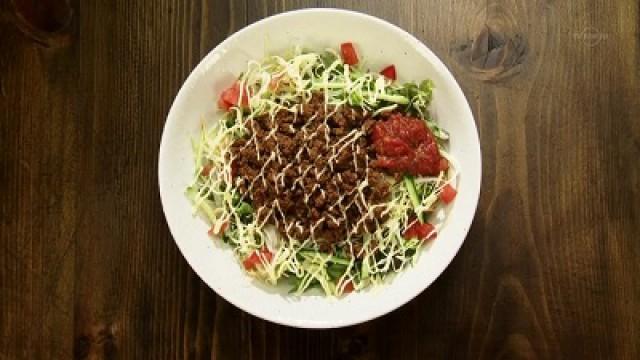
(436, 61)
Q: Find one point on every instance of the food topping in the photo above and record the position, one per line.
(420, 231)
(389, 72)
(230, 96)
(349, 55)
(447, 194)
(308, 173)
(405, 145)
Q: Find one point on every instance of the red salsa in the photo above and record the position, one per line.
(404, 144)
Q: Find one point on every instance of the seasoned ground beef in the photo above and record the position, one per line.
(310, 176)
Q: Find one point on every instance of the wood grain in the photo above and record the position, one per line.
(88, 269)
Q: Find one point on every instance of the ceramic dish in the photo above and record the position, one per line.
(380, 43)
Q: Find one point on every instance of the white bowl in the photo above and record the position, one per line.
(378, 43)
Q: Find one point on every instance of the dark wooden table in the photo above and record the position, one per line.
(551, 266)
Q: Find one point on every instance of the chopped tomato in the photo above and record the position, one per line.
(389, 72)
(231, 94)
(448, 193)
(348, 287)
(420, 230)
(206, 170)
(349, 55)
(443, 165)
(223, 104)
(275, 82)
(220, 231)
(253, 260)
(229, 97)
(245, 96)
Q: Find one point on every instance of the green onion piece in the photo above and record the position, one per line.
(244, 208)
(338, 260)
(336, 271)
(327, 58)
(398, 99)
